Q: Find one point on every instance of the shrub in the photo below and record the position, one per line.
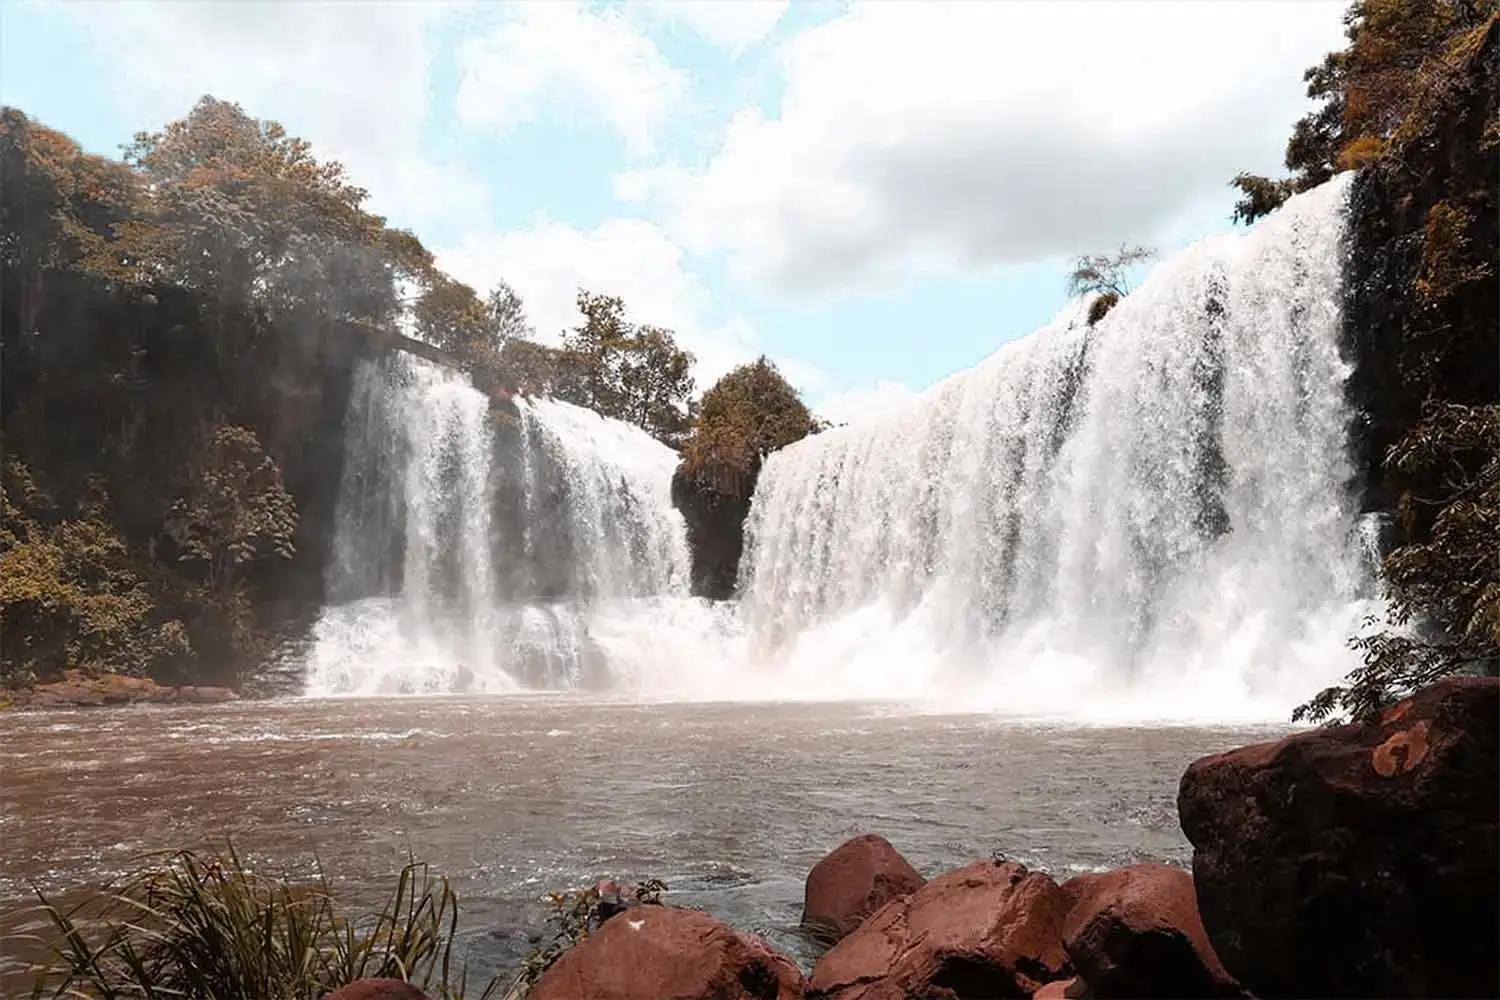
(748, 414)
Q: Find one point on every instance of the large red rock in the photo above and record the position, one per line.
(1135, 932)
(992, 929)
(664, 953)
(857, 878)
(1357, 860)
(377, 989)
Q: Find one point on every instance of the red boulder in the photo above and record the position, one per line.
(857, 878)
(1357, 860)
(991, 929)
(656, 952)
(1135, 932)
(377, 989)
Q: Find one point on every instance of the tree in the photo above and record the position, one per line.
(233, 507)
(746, 415)
(507, 314)
(1404, 57)
(631, 373)
(1107, 276)
(245, 212)
(449, 315)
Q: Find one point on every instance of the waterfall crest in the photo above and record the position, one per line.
(1155, 510)
(473, 549)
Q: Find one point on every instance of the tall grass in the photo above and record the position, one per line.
(207, 927)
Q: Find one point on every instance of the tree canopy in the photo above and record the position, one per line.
(1404, 58)
(745, 416)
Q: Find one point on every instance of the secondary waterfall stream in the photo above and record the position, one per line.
(473, 547)
(1153, 516)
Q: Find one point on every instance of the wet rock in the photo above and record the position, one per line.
(202, 695)
(1063, 989)
(992, 929)
(655, 952)
(77, 689)
(1135, 932)
(853, 881)
(1357, 860)
(377, 989)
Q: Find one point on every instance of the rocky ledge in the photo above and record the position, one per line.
(79, 690)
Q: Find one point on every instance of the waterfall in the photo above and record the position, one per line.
(480, 551)
(1151, 516)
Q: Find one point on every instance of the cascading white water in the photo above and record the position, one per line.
(473, 551)
(1151, 517)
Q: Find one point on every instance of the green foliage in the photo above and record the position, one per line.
(633, 373)
(1449, 261)
(748, 414)
(233, 507)
(1404, 60)
(1443, 584)
(70, 594)
(210, 928)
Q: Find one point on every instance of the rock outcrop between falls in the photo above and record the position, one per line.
(1357, 860)
(715, 521)
(853, 881)
(655, 952)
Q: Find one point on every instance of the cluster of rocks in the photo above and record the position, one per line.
(1359, 860)
(78, 689)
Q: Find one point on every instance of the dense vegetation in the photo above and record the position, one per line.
(179, 331)
(745, 416)
(1411, 102)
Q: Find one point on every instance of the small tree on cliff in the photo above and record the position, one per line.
(748, 414)
(1107, 275)
(233, 507)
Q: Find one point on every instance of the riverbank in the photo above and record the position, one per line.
(78, 689)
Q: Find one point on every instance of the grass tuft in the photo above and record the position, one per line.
(209, 928)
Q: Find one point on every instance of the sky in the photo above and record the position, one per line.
(873, 194)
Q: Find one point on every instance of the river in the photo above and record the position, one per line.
(510, 796)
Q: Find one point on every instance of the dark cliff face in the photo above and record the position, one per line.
(715, 533)
(102, 387)
(1407, 349)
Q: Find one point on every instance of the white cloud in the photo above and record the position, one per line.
(731, 24)
(548, 262)
(857, 405)
(556, 56)
(922, 138)
(354, 81)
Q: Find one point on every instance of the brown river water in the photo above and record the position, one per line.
(730, 804)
